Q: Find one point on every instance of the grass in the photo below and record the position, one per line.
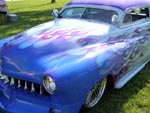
(30, 13)
(133, 98)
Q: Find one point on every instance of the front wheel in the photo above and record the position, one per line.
(95, 93)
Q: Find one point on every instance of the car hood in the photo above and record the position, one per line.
(21, 55)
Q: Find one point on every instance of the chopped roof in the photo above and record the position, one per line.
(122, 4)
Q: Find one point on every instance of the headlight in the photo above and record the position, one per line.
(49, 84)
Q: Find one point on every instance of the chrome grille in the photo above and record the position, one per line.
(27, 86)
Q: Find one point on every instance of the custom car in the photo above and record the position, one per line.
(61, 65)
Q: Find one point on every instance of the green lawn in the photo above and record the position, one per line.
(30, 13)
(133, 98)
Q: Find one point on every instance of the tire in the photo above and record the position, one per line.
(95, 93)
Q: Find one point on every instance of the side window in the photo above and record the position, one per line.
(96, 14)
(136, 15)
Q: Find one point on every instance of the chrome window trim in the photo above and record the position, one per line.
(122, 25)
(121, 13)
(149, 10)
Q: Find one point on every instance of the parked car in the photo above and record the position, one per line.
(61, 65)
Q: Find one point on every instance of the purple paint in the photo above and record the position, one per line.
(122, 4)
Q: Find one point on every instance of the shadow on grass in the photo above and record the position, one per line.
(23, 7)
(114, 100)
(25, 21)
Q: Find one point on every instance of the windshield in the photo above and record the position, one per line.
(95, 14)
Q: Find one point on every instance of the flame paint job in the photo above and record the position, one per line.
(76, 54)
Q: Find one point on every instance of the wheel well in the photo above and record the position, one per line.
(110, 81)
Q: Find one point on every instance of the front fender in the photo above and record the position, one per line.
(5, 40)
(2, 42)
(76, 72)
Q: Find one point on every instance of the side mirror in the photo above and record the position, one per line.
(55, 13)
(115, 19)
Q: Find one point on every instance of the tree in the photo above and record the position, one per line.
(53, 1)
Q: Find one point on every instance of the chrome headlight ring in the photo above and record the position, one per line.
(49, 84)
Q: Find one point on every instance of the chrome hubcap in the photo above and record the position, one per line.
(95, 93)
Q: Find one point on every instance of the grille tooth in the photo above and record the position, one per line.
(12, 81)
(25, 86)
(41, 90)
(5, 79)
(32, 87)
(19, 84)
(22, 84)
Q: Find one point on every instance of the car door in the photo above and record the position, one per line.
(136, 28)
(138, 35)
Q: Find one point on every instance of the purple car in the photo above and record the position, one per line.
(64, 64)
